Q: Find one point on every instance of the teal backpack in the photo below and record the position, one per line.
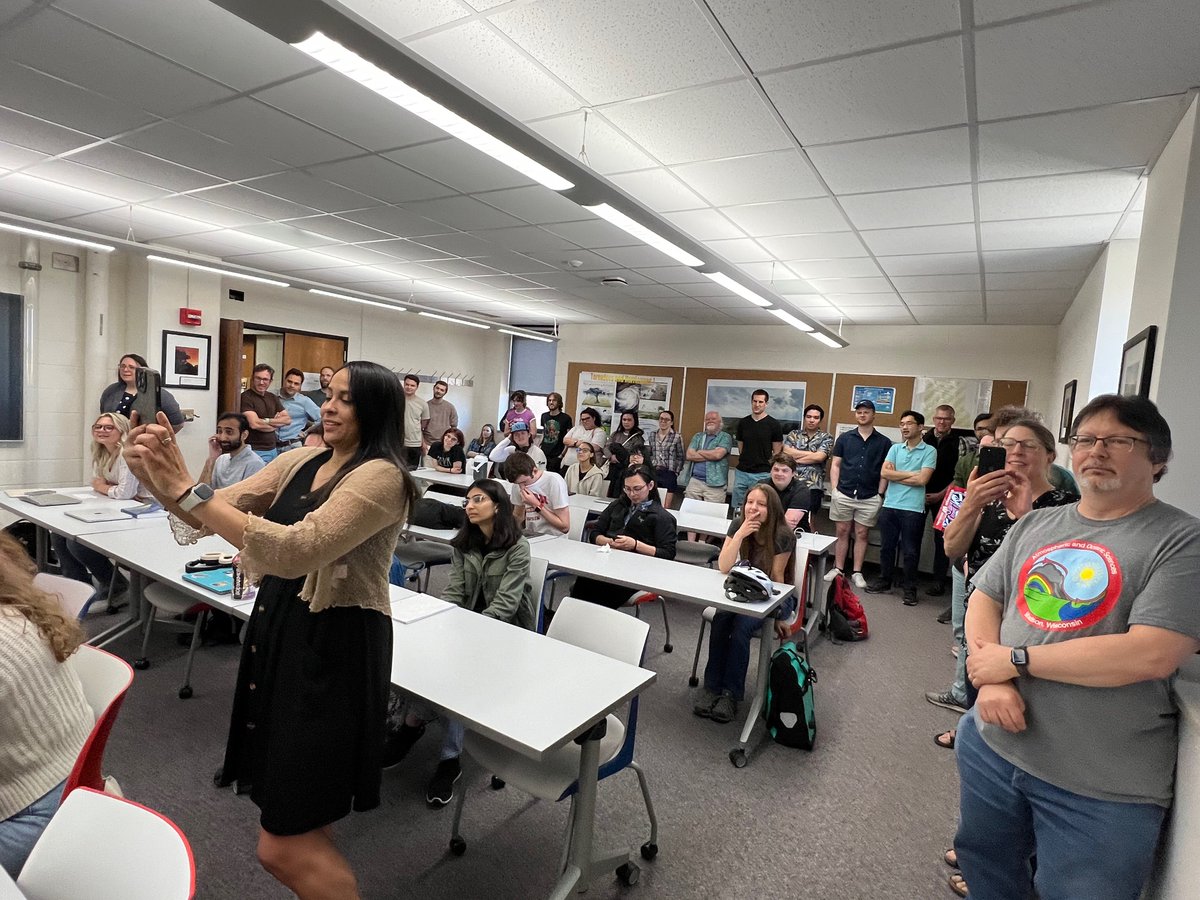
(790, 710)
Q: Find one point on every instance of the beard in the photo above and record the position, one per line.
(230, 447)
(1102, 485)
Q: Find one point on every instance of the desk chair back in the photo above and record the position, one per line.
(149, 858)
(537, 585)
(799, 617)
(704, 508)
(74, 597)
(579, 516)
(105, 679)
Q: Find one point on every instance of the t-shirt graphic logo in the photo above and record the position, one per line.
(1068, 585)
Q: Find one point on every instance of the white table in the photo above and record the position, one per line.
(8, 888)
(692, 584)
(1178, 871)
(587, 502)
(461, 480)
(55, 518)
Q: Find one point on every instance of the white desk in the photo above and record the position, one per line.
(461, 480)
(55, 518)
(1178, 867)
(590, 504)
(8, 888)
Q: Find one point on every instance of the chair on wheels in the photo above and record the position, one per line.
(105, 679)
(74, 597)
(165, 599)
(555, 777)
(419, 557)
(145, 855)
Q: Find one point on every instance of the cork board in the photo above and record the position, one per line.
(843, 392)
(570, 395)
(818, 389)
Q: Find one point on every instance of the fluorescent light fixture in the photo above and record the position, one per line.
(644, 234)
(741, 290)
(825, 339)
(532, 337)
(379, 303)
(51, 236)
(442, 318)
(786, 316)
(350, 64)
(228, 272)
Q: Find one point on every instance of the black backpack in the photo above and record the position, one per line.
(790, 710)
(430, 513)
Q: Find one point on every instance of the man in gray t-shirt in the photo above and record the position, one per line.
(1075, 629)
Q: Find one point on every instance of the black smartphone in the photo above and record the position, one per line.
(991, 459)
(148, 401)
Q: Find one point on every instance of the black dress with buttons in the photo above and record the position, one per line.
(310, 706)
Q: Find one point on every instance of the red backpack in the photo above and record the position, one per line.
(846, 619)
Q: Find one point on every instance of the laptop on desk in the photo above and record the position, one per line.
(49, 498)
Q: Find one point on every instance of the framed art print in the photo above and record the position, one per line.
(1068, 411)
(185, 360)
(1137, 363)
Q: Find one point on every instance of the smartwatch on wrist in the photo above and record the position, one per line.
(194, 496)
(1019, 656)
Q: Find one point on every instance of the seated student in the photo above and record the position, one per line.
(230, 458)
(764, 539)
(794, 494)
(44, 717)
(489, 574)
(636, 523)
(519, 438)
(448, 456)
(589, 474)
(539, 498)
(484, 444)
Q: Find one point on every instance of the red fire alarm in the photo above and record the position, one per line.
(189, 316)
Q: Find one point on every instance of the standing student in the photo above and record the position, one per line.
(555, 425)
(666, 452)
(759, 437)
(588, 430)
(118, 396)
(809, 447)
(304, 413)
(518, 412)
(948, 448)
(442, 414)
(416, 420)
(705, 474)
(265, 413)
(857, 487)
(316, 528)
(626, 438)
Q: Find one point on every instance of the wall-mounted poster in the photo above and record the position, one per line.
(884, 398)
(611, 394)
(732, 400)
(185, 360)
(968, 396)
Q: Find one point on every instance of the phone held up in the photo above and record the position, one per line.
(991, 459)
(148, 401)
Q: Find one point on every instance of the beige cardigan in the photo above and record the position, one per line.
(344, 546)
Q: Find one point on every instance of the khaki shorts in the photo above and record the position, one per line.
(697, 490)
(847, 509)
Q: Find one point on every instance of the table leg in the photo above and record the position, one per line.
(41, 546)
(740, 755)
(137, 608)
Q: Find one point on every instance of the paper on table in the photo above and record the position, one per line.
(417, 607)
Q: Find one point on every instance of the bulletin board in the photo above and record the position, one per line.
(818, 388)
(570, 395)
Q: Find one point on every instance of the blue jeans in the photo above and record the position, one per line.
(903, 528)
(20, 832)
(80, 563)
(1085, 847)
(742, 482)
(729, 653)
(267, 455)
(958, 617)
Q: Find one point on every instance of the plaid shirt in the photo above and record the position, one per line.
(820, 442)
(667, 453)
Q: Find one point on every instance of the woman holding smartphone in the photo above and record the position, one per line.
(118, 396)
(316, 529)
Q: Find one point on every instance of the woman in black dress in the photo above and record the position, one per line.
(316, 528)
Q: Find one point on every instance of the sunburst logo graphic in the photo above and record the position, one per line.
(1068, 585)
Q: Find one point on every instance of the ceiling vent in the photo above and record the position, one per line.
(613, 281)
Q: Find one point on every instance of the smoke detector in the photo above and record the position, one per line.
(575, 263)
(613, 281)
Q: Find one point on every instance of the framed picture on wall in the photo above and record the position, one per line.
(185, 360)
(1137, 363)
(1068, 411)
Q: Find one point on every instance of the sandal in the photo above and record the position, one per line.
(958, 884)
(945, 739)
(950, 858)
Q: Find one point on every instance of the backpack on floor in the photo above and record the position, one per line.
(846, 618)
(790, 710)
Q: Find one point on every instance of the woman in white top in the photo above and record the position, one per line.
(110, 478)
(588, 430)
(588, 475)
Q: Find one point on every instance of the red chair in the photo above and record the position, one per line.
(105, 680)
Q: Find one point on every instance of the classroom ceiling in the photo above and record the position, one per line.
(871, 162)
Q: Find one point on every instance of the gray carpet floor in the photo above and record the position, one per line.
(867, 814)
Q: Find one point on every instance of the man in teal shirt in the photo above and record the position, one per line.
(706, 461)
(907, 469)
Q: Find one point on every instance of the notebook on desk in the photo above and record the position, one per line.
(49, 498)
(417, 607)
(219, 581)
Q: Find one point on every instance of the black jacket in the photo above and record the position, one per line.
(654, 526)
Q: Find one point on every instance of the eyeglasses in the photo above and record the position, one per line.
(1123, 442)
(104, 428)
(476, 500)
(1010, 443)
(587, 450)
(636, 488)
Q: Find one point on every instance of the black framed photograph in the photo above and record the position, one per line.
(1068, 411)
(1137, 363)
(185, 360)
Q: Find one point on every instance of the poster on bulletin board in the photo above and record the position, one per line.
(612, 394)
(884, 398)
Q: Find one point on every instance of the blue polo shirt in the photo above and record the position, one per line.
(906, 496)
(861, 462)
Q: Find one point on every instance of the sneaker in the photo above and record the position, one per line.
(954, 650)
(859, 581)
(441, 785)
(704, 706)
(945, 615)
(938, 590)
(833, 573)
(879, 586)
(910, 597)
(399, 742)
(945, 700)
(724, 709)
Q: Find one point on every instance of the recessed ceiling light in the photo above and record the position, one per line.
(644, 234)
(51, 236)
(442, 318)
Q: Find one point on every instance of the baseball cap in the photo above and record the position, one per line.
(521, 425)
(865, 404)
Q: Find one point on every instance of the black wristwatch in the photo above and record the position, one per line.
(1020, 659)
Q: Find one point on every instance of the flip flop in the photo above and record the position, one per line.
(945, 744)
(958, 884)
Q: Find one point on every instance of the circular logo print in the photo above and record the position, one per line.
(1068, 586)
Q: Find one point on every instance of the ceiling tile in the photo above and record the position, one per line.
(1025, 315)
(593, 233)
(1030, 298)
(66, 172)
(618, 49)
(919, 206)
(229, 243)
(940, 315)
(791, 286)
(57, 193)
(143, 167)
(396, 221)
(411, 17)
(303, 188)
(658, 189)
(815, 246)
(462, 213)
(487, 63)
(1058, 195)
(462, 267)
(1019, 281)
(1059, 232)
(529, 239)
(71, 107)
(1067, 61)
(1107, 137)
(190, 148)
(338, 229)
(286, 260)
(287, 235)
(829, 286)
(246, 199)
(928, 239)
(889, 92)
(459, 165)
(35, 134)
(14, 157)
(409, 251)
(944, 298)
(910, 283)
(835, 268)
(692, 125)
(1050, 259)
(377, 177)
(770, 35)
(880, 315)
(847, 301)
(782, 175)
(704, 225)
(536, 205)
(255, 126)
(931, 264)
(894, 163)
(996, 10)
(213, 214)
(638, 256)
(607, 151)
(740, 250)
(817, 215)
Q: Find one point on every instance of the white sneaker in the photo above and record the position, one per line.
(859, 581)
(833, 573)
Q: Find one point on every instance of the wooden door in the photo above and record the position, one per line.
(229, 366)
(310, 352)
(1009, 393)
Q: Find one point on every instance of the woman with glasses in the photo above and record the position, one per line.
(118, 396)
(666, 452)
(110, 478)
(589, 430)
(489, 574)
(588, 474)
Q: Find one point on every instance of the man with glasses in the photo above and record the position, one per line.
(705, 473)
(1076, 627)
(908, 467)
(633, 523)
(539, 498)
(265, 413)
(943, 441)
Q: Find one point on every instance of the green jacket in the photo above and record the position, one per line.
(495, 584)
(717, 472)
